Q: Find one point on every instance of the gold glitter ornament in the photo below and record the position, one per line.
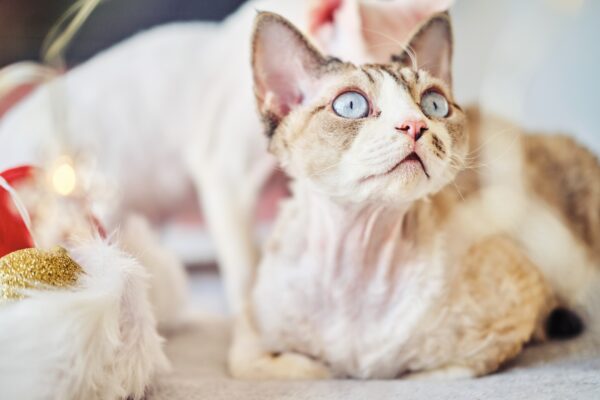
(36, 269)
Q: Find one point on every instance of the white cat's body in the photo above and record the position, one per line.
(169, 115)
(137, 108)
(151, 117)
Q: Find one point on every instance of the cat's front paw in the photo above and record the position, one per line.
(446, 373)
(283, 366)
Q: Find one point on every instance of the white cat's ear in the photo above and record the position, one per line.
(430, 48)
(285, 65)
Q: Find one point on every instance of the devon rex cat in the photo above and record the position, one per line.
(421, 239)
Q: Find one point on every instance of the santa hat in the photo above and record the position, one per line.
(14, 225)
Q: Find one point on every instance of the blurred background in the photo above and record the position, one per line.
(24, 23)
(534, 61)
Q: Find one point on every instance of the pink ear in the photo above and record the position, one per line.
(285, 65)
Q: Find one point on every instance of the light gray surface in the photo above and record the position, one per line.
(569, 370)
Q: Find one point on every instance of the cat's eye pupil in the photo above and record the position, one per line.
(352, 105)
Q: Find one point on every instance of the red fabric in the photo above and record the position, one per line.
(321, 13)
(14, 234)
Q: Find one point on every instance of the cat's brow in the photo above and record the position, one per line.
(316, 110)
(368, 74)
(403, 73)
(373, 67)
(400, 81)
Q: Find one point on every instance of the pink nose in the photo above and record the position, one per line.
(413, 128)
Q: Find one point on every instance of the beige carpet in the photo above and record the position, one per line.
(568, 370)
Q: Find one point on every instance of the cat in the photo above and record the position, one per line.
(168, 116)
(421, 239)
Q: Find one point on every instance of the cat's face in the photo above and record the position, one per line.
(360, 133)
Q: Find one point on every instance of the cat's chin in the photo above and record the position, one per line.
(406, 182)
(387, 190)
(409, 169)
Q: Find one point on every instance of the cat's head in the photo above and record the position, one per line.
(388, 132)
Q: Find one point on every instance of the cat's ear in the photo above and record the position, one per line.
(430, 48)
(285, 65)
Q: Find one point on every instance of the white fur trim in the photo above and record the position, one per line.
(97, 341)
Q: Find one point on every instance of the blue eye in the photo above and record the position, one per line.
(434, 105)
(351, 105)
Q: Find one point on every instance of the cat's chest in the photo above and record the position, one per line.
(353, 301)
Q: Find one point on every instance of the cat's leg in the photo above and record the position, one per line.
(229, 184)
(248, 360)
(450, 372)
(499, 302)
(229, 214)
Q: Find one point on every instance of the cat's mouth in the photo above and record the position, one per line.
(415, 157)
(411, 158)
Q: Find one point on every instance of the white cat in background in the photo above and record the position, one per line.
(171, 112)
